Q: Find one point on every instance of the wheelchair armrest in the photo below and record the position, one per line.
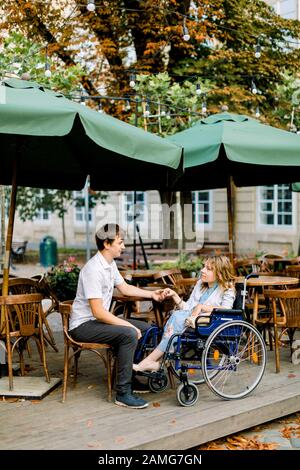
(228, 311)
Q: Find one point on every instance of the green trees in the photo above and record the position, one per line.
(239, 52)
(146, 37)
(27, 59)
(31, 200)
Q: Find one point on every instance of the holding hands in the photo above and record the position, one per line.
(161, 294)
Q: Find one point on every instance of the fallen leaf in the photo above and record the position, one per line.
(36, 402)
(11, 399)
(241, 439)
(156, 404)
(289, 431)
(94, 444)
(90, 387)
(231, 447)
(173, 421)
(291, 376)
(212, 446)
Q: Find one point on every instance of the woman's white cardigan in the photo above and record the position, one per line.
(220, 297)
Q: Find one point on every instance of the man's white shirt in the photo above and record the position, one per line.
(97, 279)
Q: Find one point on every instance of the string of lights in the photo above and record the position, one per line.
(91, 6)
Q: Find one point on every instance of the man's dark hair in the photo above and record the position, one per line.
(108, 233)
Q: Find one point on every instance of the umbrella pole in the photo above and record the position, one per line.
(230, 214)
(10, 229)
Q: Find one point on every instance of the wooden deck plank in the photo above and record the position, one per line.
(87, 421)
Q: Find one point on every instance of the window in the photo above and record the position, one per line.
(79, 208)
(42, 215)
(276, 206)
(140, 206)
(202, 207)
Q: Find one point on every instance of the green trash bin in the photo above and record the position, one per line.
(48, 251)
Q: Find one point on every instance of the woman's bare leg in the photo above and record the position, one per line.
(150, 362)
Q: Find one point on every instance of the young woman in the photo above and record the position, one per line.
(215, 288)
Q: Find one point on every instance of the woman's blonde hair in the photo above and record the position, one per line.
(223, 270)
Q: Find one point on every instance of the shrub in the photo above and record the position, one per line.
(185, 263)
(63, 279)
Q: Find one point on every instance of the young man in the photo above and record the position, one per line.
(91, 320)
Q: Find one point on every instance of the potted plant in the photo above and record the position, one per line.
(190, 266)
(63, 279)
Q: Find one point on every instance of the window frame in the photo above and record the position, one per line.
(275, 226)
(143, 225)
(209, 225)
(81, 223)
(39, 217)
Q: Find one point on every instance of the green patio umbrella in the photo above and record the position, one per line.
(295, 187)
(60, 142)
(49, 141)
(229, 148)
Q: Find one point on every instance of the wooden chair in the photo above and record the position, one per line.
(293, 271)
(104, 351)
(243, 267)
(284, 313)
(174, 279)
(23, 320)
(21, 286)
(270, 262)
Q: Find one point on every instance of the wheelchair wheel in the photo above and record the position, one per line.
(158, 384)
(234, 360)
(187, 395)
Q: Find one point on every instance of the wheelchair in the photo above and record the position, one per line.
(228, 354)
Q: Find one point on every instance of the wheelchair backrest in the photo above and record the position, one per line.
(238, 302)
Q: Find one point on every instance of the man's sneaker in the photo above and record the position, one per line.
(140, 387)
(130, 401)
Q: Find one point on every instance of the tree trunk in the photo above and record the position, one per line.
(169, 219)
(168, 199)
(188, 223)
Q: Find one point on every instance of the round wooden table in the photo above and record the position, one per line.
(265, 281)
(129, 301)
(138, 274)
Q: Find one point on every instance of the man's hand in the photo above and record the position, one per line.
(167, 293)
(159, 295)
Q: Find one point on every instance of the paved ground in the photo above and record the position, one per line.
(27, 270)
(280, 434)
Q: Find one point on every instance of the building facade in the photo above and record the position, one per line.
(267, 218)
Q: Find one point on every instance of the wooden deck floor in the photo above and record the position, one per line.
(87, 421)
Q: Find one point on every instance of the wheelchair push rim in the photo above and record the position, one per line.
(236, 352)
